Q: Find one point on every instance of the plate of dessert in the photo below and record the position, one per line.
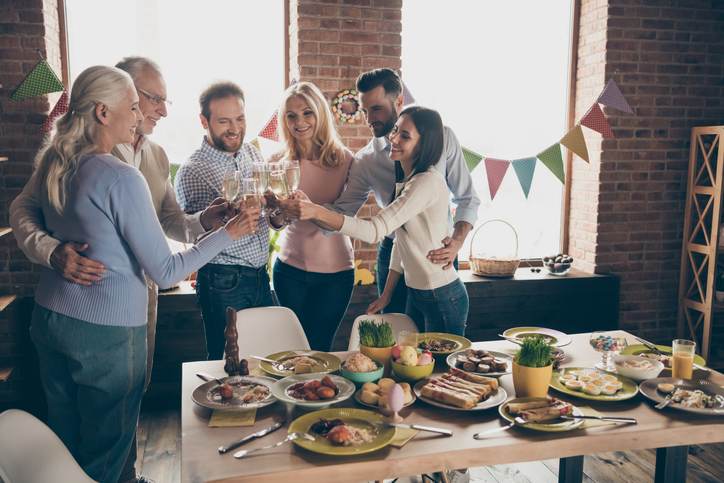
(235, 392)
(593, 384)
(288, 363)
(461, 391)
(478, 361)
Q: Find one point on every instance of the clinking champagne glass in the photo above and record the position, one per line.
(260, 173)
(230, 185)
(293, 174)
(278, 180)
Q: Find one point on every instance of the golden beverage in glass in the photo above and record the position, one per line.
(230, 187)
(293, 174)
(261, 177)
(278, 183)
(682, 362)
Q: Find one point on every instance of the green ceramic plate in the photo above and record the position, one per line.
(629, 390)
(555, 337)
(555, 426)
(456, 342)
(636, 349)
(358, 418)
(326, 362)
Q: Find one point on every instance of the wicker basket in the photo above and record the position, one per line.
(494, 267)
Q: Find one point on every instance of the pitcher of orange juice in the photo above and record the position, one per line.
(682, 363)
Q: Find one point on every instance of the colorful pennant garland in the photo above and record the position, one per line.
(472, 159)
(407, 97)
(61, 107)
(255, 142)
(496, 169)
(269, 131)
(553, 160)
(575, 141)
(594, 119)
(524, 169)
(612, 97)
(41, 80)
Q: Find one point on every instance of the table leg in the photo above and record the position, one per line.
(570, 470)
(671, 464)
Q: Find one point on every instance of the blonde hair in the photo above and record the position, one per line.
(325, 137)
(75, 132)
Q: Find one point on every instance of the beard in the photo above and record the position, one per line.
(221, 143)
(381, 129)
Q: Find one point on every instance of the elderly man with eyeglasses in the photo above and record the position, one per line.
(150, 158)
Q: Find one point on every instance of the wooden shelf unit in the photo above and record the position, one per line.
(700, 247)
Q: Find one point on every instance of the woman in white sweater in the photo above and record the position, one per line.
(420, 218)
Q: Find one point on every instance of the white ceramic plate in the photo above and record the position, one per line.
(345, 390)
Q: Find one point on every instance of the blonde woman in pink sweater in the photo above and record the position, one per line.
(314, 274)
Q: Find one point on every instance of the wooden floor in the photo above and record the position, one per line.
(159, 443)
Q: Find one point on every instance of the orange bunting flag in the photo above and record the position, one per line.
(594, 119)
(495, 169)
(270, 130)
(575, 141)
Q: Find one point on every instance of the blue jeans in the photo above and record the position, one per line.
(444, 309)
(93, 378)
(319, 299)
(222, 286)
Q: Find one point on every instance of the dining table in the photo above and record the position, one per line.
(669, 430)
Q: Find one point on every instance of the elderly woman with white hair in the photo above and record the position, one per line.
(91, 340)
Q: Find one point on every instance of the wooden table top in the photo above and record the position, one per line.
(428, 452)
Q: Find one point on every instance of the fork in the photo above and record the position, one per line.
(665, 402)
(290, 437)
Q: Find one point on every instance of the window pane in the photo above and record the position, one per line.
(195, 43)
(498, 74)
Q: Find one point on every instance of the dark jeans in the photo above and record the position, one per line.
(222, 286)
(398, 304)
(319, 299)
(93, 379)
(444, 309)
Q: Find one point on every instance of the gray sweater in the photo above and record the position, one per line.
(109, 207)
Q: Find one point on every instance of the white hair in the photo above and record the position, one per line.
(135, 66)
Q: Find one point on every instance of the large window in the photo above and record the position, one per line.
(195, 43)
(498, 74)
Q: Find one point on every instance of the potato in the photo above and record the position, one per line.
(370, 386)
(369, 397)
(383, 402)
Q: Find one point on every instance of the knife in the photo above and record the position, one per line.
(420, 427)
(601, 418)
(258, 434)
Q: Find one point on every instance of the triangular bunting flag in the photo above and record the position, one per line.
(495, 168)
(61, 107)
(575, 141)
(553, 160)
(524, 169)
(255, 142)
(471, 158)
(41, 80)
(407, 97)
(270, 130)
(612, 97)
(595, 120)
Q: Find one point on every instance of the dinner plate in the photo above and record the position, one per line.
(648, 389)
(326, 362)
(345, 390)
(557, 338)
(373, 406)
(460, 341)
(638, 349)
(629, 390)
(495, 399)
(358, 418)
(452, 358)
(551, 427)
(207, 394)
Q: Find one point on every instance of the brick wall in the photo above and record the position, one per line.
(331, 43)
(26, 27)
(667, 59)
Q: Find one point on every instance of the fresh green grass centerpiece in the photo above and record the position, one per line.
(376, 341)
(532, 368)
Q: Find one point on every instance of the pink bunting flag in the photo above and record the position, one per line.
(495, 169)
(270, 130)
(61, 107)
(612, 97)
(595, 120)
(407, 97)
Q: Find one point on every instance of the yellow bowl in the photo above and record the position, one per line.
(412, 373)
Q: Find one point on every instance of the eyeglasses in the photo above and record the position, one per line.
(157, 100)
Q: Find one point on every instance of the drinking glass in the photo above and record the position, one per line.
(230, 185)
(406, 337)
(278, 180)
(608, 345)
(260, 172)
(682, 362)
(293, 174)
(250, 193)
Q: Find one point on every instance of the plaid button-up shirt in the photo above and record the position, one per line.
(198, 183)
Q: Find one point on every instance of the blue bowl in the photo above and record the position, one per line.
(360, 378)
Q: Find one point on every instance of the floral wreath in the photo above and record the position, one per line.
(346, 97)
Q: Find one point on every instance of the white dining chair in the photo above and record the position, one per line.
(266, 330)
(30, 452)
(398, 322)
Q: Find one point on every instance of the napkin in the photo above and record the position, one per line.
(402, 436)
(592, 423)
(221, 418)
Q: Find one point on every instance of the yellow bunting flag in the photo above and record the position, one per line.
(575, 141)
(255, 142)
(553, 160)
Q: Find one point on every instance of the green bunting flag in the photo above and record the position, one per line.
(553, 160)
(41, 80)
(472, 158)
(524, 169)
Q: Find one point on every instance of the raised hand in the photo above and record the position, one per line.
(245, 223)
(216, 214)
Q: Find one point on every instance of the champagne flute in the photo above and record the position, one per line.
(230, 185)
(293, 174)
(278, 180)
(260, 173)
(249, 193)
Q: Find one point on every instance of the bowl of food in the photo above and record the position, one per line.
(411, 363)
(558, 265)
(359, 369)
(313, 390)
(637, 368)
